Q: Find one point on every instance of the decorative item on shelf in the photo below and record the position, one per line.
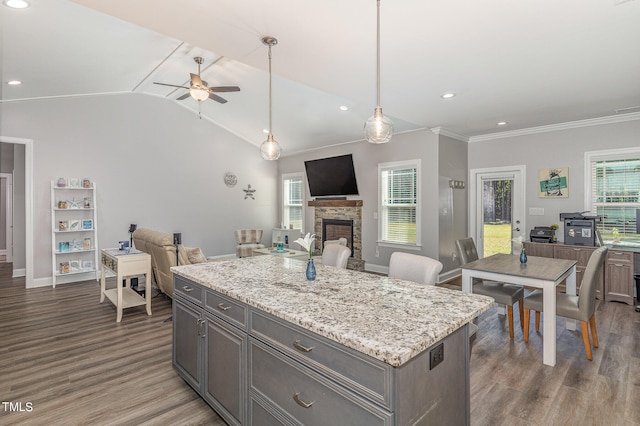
(378, 128)
(74, 183)
(86, 244)
(86, 183)
(62, 204)
(248, 193)
(63, 225)
(74, 265)
(87, 265)
(88, 202)
(73, 204)
(75, 245)
(123, 246)
(64, 267)
(87, 224)
(63, 246)
(61, 182)
(270, 149)
(307, 244)
(74, 225)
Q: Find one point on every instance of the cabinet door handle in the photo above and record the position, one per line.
(199, 327)
(187, 289)
(296, 398)
(299, 347)
(222, 307)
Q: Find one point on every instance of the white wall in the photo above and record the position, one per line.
(155, 164)
(421, 144)
(563, 148)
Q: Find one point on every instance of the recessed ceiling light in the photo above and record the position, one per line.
(16, 4)
(265, 131)
(447, 95)
(14, 82)
(344, 108)
(502, 123)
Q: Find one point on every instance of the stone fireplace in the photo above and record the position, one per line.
(340, 218)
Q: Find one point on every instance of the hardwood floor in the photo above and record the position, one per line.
(62, 352)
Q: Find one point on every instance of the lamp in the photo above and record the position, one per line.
(378, 128)
(270, 149)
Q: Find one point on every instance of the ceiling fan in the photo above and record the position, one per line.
(199, 90)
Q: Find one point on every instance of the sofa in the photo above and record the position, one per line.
(163, 256)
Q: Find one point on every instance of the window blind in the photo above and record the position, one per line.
(615, 196)
(399, 200)
(293, 199)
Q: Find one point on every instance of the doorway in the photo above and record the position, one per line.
(497, 209)
(6, 218)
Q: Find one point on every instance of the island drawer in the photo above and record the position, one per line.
(226, 308)
(364, 375)
(305, 395)
(188, 290)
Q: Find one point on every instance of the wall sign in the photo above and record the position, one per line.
(554, 183)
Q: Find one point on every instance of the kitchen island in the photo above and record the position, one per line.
(262, 345)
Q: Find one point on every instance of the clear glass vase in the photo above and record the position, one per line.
(311, 270)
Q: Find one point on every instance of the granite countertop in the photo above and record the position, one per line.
(389, 319)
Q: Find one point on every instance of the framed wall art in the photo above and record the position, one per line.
(554, 182)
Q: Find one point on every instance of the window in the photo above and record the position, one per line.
(614, 187)
(293, 201)
(399, 209)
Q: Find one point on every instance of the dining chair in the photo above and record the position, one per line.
(581, 308)
(411, 267)
(503, 293)
(336, 255)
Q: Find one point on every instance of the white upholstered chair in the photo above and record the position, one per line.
(411, 267)
(336, 255)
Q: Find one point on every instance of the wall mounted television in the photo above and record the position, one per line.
(333, 176)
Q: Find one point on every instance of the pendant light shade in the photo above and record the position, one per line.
(378, 128)
(270, 149)
(198, 93)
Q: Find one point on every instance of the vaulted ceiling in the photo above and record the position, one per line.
(530, 63)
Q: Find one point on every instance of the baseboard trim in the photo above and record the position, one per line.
(449, 275)
(42, 282)
(378, 269)
(18, 273)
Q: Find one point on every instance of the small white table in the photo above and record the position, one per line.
(124, 265)
(290, 253)
(539, 272)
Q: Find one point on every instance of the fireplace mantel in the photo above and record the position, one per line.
(335, 203)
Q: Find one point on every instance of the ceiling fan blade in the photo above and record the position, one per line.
(224, 89)
(217, 98)
(195, 80)
(185, 96)
(170, 85)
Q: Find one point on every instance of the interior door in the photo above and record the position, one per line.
(497, 209)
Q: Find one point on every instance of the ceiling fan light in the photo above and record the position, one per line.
(270, 149)
(198, 93)
(378, 129)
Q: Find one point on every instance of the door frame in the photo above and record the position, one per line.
(28, 204)
(518, 172)
(8, 216)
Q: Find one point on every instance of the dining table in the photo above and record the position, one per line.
(537, 272)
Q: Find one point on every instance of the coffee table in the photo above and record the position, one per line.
(290, 253)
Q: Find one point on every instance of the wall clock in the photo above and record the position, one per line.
(230, 179)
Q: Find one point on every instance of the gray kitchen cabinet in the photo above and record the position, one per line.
(256, 369)
(208, 352)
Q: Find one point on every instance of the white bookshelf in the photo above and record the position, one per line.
(74, 232)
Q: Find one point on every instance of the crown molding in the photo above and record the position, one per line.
(556, 127)
(444, 132)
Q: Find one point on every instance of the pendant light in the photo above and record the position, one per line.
(270, 149)
(378, 128)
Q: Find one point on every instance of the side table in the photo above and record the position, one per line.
(124, 265)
